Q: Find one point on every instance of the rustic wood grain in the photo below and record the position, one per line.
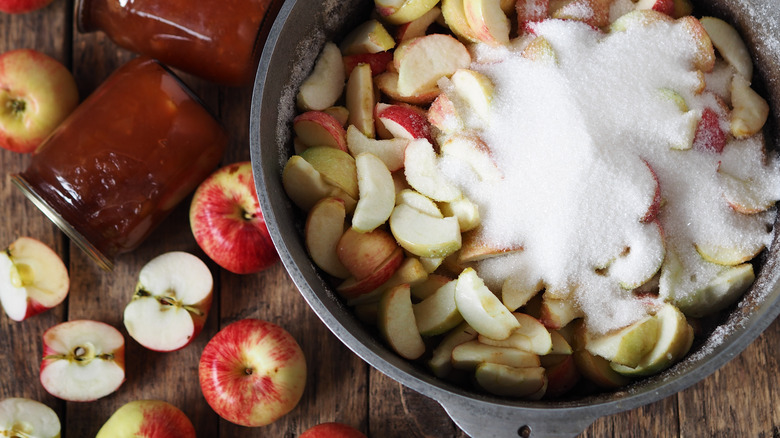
(742, 399)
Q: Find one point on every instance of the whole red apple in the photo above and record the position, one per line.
(252, 372)
(147, 419)
(227, 222)
(37, 93)
(22, 6)
(332, 430)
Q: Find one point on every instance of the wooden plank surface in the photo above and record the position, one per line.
(742, 399)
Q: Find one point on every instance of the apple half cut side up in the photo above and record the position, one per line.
(21, 417)
(227, 222)
(171, 301)
(33, 278)
(252, 373)
(82, 360)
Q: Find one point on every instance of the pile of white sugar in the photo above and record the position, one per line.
(583, 144)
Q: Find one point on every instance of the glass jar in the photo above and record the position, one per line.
(115, 168)
(217, 40)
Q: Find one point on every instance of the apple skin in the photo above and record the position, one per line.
(37, 93)
(252, 372)
(147, 419)
(332, 430)
(227, 222)
(22, 6)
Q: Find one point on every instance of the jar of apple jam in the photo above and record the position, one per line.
(115, 168)
(217, 40)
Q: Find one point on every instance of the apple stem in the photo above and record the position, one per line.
(248, 216)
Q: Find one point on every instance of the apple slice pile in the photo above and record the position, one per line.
(392, 112)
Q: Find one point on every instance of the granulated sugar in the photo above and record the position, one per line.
(584, 143)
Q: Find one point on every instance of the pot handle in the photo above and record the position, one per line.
(483, 420)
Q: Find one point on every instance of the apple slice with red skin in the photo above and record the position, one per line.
(147, 419)
(562, 375)
(33, 278)
(475, 248)
(318, 128)
(396, 323)
(556, 314)
(443, 115)
(332, 430)
(655, 205)
(324, 228)
(22, 417)
(325, 84)
(417, 27)
(387, 83)
(529, 11)
(709, 135)
(377, 61)
(489, 23)
(663, 6)
(82, 360)
(227, 222)
(411, 272)
(352, 287)
(363, 253)
(404, 121)
(171, 301)
(704, 57)
(37, 93)
(455, 16)
(369, 37)
(252, 372)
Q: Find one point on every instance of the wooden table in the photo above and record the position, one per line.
(740, 400)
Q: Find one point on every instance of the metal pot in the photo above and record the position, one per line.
(300, 30)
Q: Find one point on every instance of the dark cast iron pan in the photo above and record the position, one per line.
(300, 30)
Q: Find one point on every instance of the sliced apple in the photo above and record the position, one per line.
(404, 121)
(663, 6)
(33, 278)
(750, 110)
(431, 264)
(638, 18)
(417, 27)
(625, 346)
(529, 336)
(444, 115)
(465, 211)
(729, 44)
(422, 61)
(529, 11)
(438, 313)
(746, 196)
(728, 255)
(673, 342)
(721, 292)
(422, 234)
(474, 153)
(540, 50)
(360, 99)
(338, 112)
(481, 308)
(352, 287)
(377, 193)
(489, 23)
(519, 288)
(475, 248)
(422, 172)
(410, 272)
(555, 314)
(441, 359)
(396, 323)
(468, 355)
(403, 11)
(390, 151)
(704, 57)
(306, 186)
(643, 258)
(336, 166)
(560, 346)
(509, 381)
(562, 375)
(377, 61)
(592, 12)
(387, 83)
(323, 87)
(455, 16)
(418, 201)
(369, 37)
(363, 252)
(318, 128)
(325, 225)
(598, 370)
(428, 287)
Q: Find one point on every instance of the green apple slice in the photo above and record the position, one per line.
(438, 313)
(395, 319)
(468, 355)
(672, 344)
(509, 381)
(336, 167)
(441, 359)
(481, 308)
(721, 292)
(626, 346)
(424, 235)
(306, 186)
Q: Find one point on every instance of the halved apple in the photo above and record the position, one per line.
(481, 308)
(468, 355)
(33, 278)
(422, 234)
(438, 313)
(324, 227)
(25, 418)
(325, 84)
(377, 193)
(396, 322)
(509, 381)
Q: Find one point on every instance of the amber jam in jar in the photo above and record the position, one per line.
(217, 40)
(112, 171)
